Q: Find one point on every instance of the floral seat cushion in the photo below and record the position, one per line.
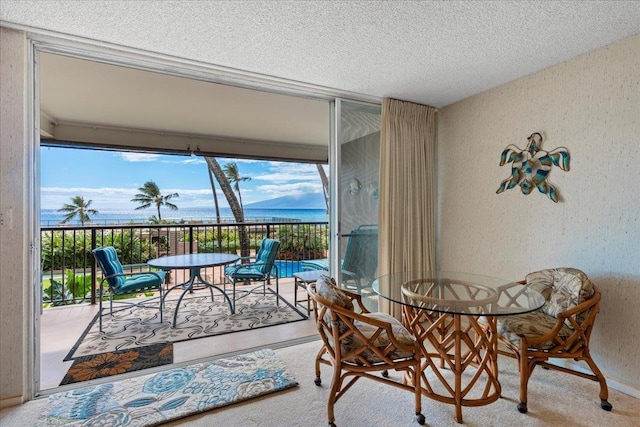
(326, 287)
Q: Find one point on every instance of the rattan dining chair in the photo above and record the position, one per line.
(361, 345)
(561, 329)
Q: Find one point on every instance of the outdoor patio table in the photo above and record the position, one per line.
(453, 315)
(194, 262)
(303, 279)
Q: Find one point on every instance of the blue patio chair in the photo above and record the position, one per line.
(261, 269)
(121, 283)
(360, 261)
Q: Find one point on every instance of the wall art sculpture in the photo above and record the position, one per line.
(531, 166)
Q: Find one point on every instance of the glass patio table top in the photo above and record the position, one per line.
(458, 293)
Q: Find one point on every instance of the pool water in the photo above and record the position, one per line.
(287, 268)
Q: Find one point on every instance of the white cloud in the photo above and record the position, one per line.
(273, 191)
(193, 161)
(287, 172)
(139, 157)
(120, 198)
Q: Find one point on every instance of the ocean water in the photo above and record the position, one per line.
(51, 217)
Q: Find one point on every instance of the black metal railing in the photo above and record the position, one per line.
(70, 274)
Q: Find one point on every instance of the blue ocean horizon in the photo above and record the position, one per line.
(51, 217)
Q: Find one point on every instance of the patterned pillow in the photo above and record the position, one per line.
(564, 288)
(326, 287)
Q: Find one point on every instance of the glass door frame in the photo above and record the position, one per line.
(335, 188)
(38, 43)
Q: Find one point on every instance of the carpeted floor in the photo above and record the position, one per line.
(555, 399)
(198, 317)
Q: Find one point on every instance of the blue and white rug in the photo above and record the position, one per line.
(157, 398)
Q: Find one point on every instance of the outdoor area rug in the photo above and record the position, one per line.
(157, 398)
(198, 317)
(102, 365)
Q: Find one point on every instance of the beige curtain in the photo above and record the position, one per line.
(406, 191)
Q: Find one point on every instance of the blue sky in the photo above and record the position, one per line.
(111, 178)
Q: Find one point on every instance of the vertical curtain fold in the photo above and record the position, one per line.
(406, 190)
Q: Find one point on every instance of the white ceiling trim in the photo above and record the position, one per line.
(108, 53)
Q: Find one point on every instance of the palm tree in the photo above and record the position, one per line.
(236, 207)
(77, 207)
(233, 175)
(150, 195)
(325, 184)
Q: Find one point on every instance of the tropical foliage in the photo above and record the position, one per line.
(299, 242)
(68, 290)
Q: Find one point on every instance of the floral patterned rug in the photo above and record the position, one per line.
(85, 368)
(157, 398)
(198, 317)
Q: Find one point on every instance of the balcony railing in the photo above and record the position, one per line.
(70, 274)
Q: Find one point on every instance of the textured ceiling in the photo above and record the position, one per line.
(430, 52)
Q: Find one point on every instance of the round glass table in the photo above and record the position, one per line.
(195, 263)
(453, 316)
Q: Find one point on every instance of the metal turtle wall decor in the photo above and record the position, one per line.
(531, 166)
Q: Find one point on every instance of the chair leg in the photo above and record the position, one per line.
(417, 375)
(322, 351)
(100, 313)
(604, 391)
(336, 382)
(161, 303)
(524, 376)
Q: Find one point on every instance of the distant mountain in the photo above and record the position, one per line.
(301, 201)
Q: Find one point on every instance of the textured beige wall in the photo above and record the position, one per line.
(590, 105)
(13, 243)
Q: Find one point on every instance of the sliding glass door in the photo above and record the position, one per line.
(355, 172)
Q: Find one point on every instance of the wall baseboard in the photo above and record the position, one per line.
(611, 383)
(11, 401)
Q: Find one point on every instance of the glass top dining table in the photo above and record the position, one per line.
(458, 293)
(454, 319)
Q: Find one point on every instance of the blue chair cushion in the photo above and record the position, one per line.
(141, 281)
(267, 255)
(261, 268)
(246, 273)
(110, 264)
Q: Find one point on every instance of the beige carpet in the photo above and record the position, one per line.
(554, 399)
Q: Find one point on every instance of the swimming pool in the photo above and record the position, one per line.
(287, 268)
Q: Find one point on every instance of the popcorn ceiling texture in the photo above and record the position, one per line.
(430, 52)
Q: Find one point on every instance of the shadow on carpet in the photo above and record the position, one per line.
(157, 398)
